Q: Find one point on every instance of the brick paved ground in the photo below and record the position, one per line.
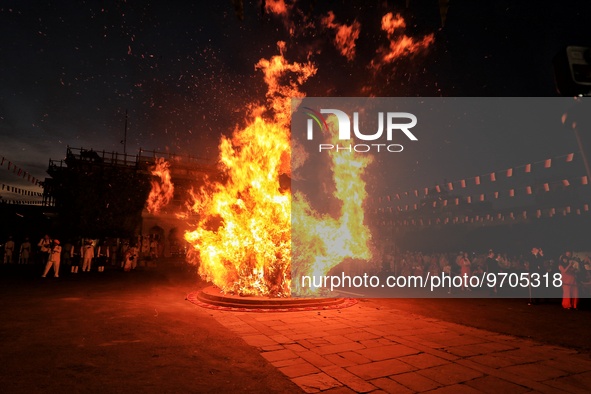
(367, 349)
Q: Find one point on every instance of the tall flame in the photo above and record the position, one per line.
(243, 238)
(162, 190)
(322, 241)
(242, 242)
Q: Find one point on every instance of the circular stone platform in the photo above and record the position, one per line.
(212, 297)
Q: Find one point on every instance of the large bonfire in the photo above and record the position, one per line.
(242, 241)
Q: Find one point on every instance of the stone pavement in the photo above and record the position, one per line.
(366, 348)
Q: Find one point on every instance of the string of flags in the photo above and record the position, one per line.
(20, 202)
(522, 215)
(477, 180)
(19, 171)
(512, 192)
(22, 192)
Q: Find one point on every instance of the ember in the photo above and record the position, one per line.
(162, 188)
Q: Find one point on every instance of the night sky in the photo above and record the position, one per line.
(185, 71)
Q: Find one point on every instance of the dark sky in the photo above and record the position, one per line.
(185, 70)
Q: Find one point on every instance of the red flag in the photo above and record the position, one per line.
(512, 193)
(477, 180)
(416, 193)
(493, 177)
(445, 203)
(569, 157)
(482, 197)
(509, 172)
(457, 201)
(565, 182)
(469, 200)
(548, 163)
(450, 186)
(438, 189)
(388, 198)
(584, 180)
(539, 213)
(546, 187)
(463, 183)
(528, 190)
(496, 194)
(528, 168)
(426, 191)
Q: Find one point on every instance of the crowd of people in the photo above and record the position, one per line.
(575, 271)
(81, 255)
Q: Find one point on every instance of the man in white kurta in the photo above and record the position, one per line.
(54, 259)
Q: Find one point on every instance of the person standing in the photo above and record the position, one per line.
(154, 249)
(131, 257)
(466, 271)
(75, 257)
(25, 252)
(45, 248)
(8, 250)
(492, 267)
(102, 256)
(54, 259)
(87, 254)
(570, 290)
(536, 265)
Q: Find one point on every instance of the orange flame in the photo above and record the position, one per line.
(321, 242)
(162, 190)
(277, 7)
(242, 242)
(243, 238)
(399, 44)
(346, 35)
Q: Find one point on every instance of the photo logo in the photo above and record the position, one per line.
(318, 118)
(392, 124)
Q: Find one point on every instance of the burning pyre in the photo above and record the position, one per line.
(242, 241)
